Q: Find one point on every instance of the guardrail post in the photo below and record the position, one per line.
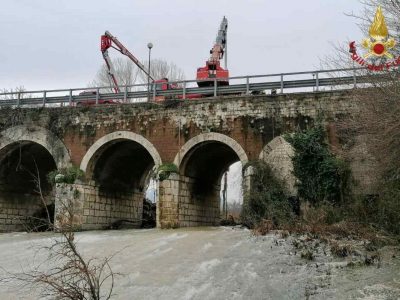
(70, 98)
(184, 90)
(97, 95)
(126, 94)
(317, 81)
(19, 99)
(44, 98)
(247, 85)
(281, 83)
(215, 87)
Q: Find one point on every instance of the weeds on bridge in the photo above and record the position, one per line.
(65, 175)
(165, 170)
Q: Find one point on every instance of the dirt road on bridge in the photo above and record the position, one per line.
(211, 263)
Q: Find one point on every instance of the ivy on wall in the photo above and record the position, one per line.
(268, 198)
(321, 176)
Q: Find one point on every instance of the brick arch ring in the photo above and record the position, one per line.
(211, 137)
(38, 135)
(120, 135)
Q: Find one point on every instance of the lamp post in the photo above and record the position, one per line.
(149, 45)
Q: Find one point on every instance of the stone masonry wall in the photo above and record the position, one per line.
(278, 155)
(16, 210)
(177, 208)
(95, 210)
(167, 204)
(251, 121)
(363, 166)
(195, 211)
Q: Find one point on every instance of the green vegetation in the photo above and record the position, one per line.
(388, 206)
(166, 169)
(321, 175)
(268, 199)
(65, 175)
(380, 210)
(324, 195)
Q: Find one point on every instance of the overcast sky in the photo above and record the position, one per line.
(56, 43)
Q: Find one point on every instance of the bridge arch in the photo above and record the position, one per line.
(27, 155)
(102, 147)
(210, 137)
(119, 167)
(38, 135)
(117, 136)
(201, 162)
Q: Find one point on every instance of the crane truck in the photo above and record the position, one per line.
(108, 41)
(213, 71)
(206, 76)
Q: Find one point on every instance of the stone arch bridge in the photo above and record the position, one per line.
(119, 147)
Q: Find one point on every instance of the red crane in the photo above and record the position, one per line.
(213, 70)
(108, 41)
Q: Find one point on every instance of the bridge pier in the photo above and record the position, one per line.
(179, 207)
(168, 202)
(93, 209)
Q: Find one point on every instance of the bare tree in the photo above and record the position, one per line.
(36, 223)
(126, 74)
(378, 98)
(391, 9)
(13, 93)
(65, 273)
(371, 133)
(160, 68)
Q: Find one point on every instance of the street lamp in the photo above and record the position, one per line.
(149, 45)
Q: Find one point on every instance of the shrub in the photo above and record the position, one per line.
(321, 176)
(65, 175)
(388, 212)
(166, 169)
(340, 250)
(380, 210)
(268, 199)
(307, 254)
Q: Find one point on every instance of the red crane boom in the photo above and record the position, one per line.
(107, 41)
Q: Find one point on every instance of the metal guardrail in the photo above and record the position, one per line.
(336, 78)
